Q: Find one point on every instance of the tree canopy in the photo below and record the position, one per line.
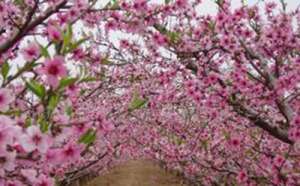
(85, 86)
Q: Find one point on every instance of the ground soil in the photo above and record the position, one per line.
(137, 173)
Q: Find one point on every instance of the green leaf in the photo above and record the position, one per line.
(75, 45)
(81, 70)
(44, 126)
(32, 65)
(174, 37)
(105, 61)
(167, 1)
(38, 89)
(58, 46)
(53, 101)
(178, 141)
(161, 28)
(226, 134)
(219, 2)
(27, 122)
(88, 79)
(211, 26)
(113, 5)
(67, 39)
(5, 69)
(66, 82)
(88, 137)
(19, 2)
(11, 113)
(205, 144)
(44, 51)
(137, 102)
(82, 91)
(69, 111)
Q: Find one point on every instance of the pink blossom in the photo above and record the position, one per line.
(159, 39)
(235, 143)
(34, 139)
(78, 54)
(63, 135)
(110, 25)
(54, 33)
(53, 69)
(70, 152)
(31, 52)
(21, 120)
(226, 98)
(140, 5)
(52, 156)
(44, 180)
(294, 133)
(7, 161)
(72, 90)
(6, 132)
(181, 3)
(79, 128)
(278, 160)
(269, 7)
(242, 176)
(14, 183)
(106, 126)
(124, 43)
(296, 121)
(72, 13)
(29, 174)
(61, 118)
(63, 18)
(6, 98)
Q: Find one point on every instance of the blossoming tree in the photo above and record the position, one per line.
(85, 86)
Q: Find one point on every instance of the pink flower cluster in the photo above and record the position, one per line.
(213, 97)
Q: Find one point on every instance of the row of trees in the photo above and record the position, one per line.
(85, 86)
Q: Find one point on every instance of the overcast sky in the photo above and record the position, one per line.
(209, 6)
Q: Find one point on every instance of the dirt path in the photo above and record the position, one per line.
(137, 173)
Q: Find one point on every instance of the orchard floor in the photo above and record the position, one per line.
(137, 173)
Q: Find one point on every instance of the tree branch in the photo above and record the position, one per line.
(260, 122)
(29, 25)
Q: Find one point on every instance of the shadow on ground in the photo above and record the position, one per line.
(137, 173)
